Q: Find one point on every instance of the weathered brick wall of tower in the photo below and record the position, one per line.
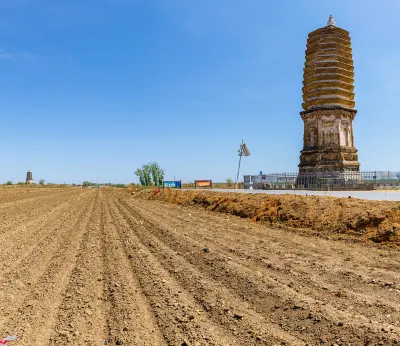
(328, 102)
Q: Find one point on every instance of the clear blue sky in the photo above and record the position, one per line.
(91, 90)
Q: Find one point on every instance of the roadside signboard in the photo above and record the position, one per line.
(172, 184)
(203, 183)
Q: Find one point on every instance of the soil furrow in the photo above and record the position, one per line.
(36, 298)
(81, 318)
(291, 268)
(130, 317)
(218, 303)
(174, 307)
(100, 267)
(258, 289)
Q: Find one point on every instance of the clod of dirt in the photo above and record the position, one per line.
(237, 316)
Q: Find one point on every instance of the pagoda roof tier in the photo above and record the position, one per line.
(327, 64)
(331, 38)
(328, 31)
(310, 72)
(328, 53)
(327, 76)
(328, 84)
(328, 46)
(328, 102)
(327, 93)
(323, 34)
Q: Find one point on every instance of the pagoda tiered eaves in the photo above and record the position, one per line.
(329, 73)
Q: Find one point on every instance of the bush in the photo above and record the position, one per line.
(9, 182)
(119, 185)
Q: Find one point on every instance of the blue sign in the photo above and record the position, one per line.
(260, 172)
(172, 184)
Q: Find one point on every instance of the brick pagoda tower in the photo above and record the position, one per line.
(328, 102)
(29, 179)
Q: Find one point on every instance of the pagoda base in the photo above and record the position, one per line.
(340, 159)
(329, 168)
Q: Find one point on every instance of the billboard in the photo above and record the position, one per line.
(172, 184)
(203, 183)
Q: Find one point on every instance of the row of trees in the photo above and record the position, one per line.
(41, 182)
(150, 174)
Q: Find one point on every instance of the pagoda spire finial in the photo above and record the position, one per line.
(331, 21)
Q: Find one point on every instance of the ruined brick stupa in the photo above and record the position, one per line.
(29, 179)
(328, 102)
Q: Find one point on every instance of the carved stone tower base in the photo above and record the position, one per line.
(328, 141)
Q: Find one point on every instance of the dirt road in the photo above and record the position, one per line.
(96, 267)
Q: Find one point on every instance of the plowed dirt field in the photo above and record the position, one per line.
(98, 267)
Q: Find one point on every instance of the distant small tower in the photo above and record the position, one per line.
(29, 179)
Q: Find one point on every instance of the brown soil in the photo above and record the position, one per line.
(96, 267)
(331, 217)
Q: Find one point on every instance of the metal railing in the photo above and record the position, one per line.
(328, 180)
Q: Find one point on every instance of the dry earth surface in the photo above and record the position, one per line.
(100, 266)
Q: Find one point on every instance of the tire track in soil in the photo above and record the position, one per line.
(35, 305)
(130, 319)
(255, 293)
(81, 319)
(213, 303)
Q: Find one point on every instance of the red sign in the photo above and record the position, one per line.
(203, 183)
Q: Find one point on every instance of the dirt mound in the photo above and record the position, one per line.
(330, 216)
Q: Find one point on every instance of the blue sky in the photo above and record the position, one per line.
(91, 90)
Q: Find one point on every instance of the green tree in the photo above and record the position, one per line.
(150, 174)
(140, 174)
(229, 181)
(87, 183)
(157, 173)
(9, 182)
(146, 175)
